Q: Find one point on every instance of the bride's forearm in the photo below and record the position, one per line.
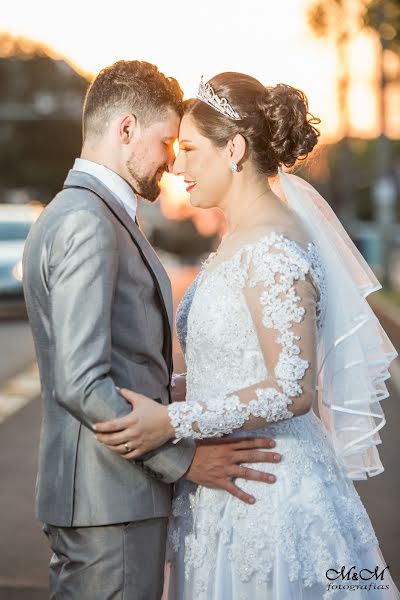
(254, 408)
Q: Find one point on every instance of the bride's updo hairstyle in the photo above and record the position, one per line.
(275, 122)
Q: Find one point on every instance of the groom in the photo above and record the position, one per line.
(99, 303)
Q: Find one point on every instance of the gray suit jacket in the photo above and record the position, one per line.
(100, 307)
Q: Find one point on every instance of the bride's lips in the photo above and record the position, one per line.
(190, 185)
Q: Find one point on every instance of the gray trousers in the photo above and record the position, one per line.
(114, 562)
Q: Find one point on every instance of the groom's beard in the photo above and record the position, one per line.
(146, 186)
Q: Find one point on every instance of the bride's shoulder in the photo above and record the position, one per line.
(278, 237)
(279, 249)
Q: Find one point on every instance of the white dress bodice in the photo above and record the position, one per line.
(311, 519)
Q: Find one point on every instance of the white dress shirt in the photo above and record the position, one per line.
(114, 182)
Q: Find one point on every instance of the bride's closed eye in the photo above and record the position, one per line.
(185, 148)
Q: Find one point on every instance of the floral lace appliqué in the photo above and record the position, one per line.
(277, 271)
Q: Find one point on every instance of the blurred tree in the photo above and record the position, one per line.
(338, 20)
(383, 18)
(15, 45)
(41, 98)
(333, 19)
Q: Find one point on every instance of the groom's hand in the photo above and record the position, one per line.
(217, 462)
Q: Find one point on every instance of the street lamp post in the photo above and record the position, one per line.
(384, 196)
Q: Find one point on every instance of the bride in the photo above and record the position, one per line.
(278, 339)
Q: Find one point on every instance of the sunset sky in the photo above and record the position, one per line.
(265, 38)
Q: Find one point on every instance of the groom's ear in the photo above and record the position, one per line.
(237, 148)
(127, 127)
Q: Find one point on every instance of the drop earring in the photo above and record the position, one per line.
(233, 166)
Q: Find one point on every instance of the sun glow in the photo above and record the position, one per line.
(175, 196)
(269, 40)
(274, 45)
(176, 147)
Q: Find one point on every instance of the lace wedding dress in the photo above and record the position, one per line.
(249, 327)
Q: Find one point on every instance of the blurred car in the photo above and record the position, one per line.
(15, 223)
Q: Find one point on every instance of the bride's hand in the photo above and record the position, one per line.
(145, 428)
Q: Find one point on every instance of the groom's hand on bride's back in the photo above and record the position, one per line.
(218, 462)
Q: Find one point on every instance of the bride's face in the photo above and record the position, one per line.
(204, 167)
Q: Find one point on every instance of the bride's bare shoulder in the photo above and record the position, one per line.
(292, 229)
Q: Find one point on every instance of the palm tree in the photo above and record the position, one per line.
(332, 19)
(383, 18)
(337, 19)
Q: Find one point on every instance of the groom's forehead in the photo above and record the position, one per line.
(168, 124)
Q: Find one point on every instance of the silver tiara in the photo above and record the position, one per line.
(206, 94)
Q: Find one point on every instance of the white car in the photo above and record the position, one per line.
(15, 223)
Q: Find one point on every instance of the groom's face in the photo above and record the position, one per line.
(152, 154)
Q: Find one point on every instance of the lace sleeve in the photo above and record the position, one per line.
(281, 298)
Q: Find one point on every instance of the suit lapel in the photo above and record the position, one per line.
(77, 179)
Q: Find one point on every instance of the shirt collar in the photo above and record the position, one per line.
(115, 183)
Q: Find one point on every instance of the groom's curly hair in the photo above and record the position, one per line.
(129, 85)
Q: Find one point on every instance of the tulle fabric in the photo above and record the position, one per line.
(354, 351)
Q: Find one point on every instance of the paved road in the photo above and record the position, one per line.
(381, 494)
(23, 553)
(23, 550)
(16, 347)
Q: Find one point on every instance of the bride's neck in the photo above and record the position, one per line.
(248, 202)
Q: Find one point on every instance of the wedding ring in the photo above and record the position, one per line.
(127, 447)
